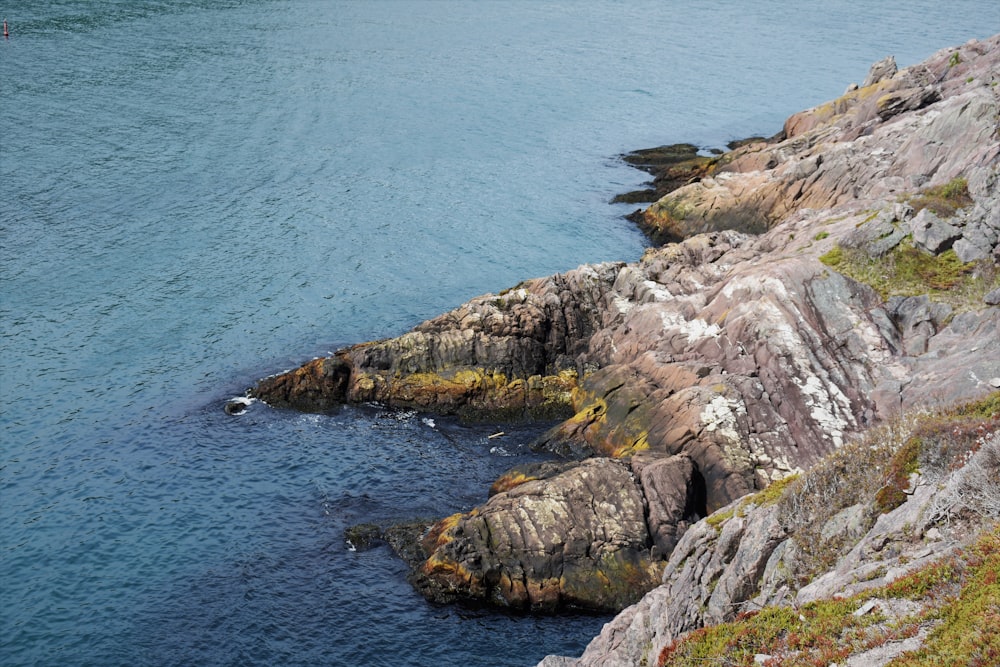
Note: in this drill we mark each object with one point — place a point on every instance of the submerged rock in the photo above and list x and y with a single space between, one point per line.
363 537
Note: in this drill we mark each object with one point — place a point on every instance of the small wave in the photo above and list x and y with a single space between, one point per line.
238 405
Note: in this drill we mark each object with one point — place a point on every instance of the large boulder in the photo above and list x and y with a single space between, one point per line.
578 539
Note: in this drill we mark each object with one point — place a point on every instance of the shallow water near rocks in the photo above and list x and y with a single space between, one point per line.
196 194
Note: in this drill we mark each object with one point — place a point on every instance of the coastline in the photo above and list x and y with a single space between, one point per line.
743 351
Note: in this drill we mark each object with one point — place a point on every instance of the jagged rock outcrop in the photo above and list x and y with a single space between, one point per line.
577 539
515 354
717 364
754 553
858 149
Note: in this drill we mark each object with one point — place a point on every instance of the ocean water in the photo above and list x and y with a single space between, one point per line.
195 194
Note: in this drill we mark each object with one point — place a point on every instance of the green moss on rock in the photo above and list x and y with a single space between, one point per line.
909 271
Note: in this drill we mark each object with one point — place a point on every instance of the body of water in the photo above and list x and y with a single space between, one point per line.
195 194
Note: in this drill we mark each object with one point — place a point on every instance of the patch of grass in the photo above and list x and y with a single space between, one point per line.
821 235
716 519
835 257
767 496
934 580
961 592
817 634
943 200
954 60
772 493
909 271
969 633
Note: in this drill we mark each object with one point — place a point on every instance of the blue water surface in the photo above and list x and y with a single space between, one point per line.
195 194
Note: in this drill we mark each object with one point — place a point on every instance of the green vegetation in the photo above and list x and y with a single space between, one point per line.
820 628
903 463
767 496
909 271
943 200
820 236
969 633
959 593
954 60
958 597
873 471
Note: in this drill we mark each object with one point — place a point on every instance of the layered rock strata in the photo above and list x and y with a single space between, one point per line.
763 550
716 364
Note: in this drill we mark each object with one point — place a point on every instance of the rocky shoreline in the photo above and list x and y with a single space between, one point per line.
810 286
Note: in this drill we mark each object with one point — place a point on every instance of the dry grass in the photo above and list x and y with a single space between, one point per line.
873 472
959 596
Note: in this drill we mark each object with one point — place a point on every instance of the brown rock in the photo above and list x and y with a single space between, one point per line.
577 539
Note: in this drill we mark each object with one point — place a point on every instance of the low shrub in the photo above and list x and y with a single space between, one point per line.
943 200
909 271
959 593
969 632
874 471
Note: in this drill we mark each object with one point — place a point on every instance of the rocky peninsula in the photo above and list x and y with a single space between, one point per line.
803 290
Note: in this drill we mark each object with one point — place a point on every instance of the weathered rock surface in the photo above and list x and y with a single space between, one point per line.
748 556
922 126
714 365
514 354
577 539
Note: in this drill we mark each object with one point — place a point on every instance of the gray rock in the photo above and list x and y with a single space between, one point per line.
557 661
877 237
672 496
966 251
909 99
888 398
577 539
849 522
883 69
932 233
363 537
902 211
917 319
979 235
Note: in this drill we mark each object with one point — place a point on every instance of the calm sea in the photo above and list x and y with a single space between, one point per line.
195 194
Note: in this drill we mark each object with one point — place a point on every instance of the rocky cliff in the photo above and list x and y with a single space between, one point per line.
864 558
813 285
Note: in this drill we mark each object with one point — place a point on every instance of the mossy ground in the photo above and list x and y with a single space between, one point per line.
943 200
910 271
